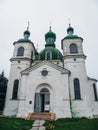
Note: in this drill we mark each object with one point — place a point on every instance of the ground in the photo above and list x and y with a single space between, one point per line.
11 123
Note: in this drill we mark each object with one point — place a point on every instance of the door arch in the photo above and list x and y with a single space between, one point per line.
42 101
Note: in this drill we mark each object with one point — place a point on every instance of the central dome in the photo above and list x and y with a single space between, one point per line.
50 52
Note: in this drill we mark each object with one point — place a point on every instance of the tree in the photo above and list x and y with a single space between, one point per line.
3 88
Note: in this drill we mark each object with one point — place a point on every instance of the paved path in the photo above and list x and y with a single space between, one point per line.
38 125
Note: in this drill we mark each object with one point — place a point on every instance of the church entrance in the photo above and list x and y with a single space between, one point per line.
42 101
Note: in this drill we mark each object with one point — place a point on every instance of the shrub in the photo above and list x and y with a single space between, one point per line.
50 127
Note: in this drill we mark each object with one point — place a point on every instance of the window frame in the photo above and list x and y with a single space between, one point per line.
59 56
48 57
73 48
77 91
95 92
15 89
20 51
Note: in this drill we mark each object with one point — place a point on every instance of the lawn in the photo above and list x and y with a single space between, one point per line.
74 124
11 123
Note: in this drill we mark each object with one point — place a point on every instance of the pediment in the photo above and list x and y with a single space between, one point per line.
47 63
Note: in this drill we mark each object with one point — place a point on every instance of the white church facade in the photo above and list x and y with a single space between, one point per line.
49 81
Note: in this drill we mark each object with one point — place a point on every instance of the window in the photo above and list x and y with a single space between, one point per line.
32 55
48 55
95 92
30 102
15 89
77 89
20 51
73 48
44 90
44 73
59 56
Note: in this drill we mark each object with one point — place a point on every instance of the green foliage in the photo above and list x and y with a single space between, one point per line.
3 87
74 124
11 123
3 80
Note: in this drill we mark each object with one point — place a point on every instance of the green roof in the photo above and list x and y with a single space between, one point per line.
70 32
51 49
25 39
50 34
73 37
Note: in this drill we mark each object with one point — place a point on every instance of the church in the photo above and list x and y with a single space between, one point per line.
50 81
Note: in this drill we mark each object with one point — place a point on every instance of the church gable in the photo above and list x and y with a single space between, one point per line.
44 64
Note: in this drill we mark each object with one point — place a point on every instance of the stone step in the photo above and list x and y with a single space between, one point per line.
41 116
38 125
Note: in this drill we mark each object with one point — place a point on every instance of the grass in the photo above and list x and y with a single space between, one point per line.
74 124
11 123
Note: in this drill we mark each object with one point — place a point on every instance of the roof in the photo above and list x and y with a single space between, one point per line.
54 52
25 38
48 63
50 34
92 79
70 32
73 37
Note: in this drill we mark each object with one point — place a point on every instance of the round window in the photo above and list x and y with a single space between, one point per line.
44 73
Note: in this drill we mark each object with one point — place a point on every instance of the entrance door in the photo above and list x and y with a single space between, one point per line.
42 101
37 103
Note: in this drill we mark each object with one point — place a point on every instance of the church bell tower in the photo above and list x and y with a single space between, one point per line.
73 55
74 60
23 56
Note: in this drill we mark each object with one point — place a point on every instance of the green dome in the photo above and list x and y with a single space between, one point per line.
50 34
26 37
56 54
70 30
70 35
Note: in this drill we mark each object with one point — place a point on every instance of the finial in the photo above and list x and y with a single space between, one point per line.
69 22
70 30
28 25
50 27
27 33
3 73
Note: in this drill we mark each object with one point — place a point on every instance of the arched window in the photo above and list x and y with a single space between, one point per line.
59 56
15 89
44 90
48 55
32 55
20 51
95 92
77 89
73 48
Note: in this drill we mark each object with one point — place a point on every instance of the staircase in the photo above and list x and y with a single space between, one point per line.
41 116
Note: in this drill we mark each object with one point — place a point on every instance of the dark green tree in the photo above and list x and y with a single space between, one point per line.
3 88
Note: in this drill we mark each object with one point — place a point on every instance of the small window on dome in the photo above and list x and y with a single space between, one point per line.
48 55
59 56
73 48
20 51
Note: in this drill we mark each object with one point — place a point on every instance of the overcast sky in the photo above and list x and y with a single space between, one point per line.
83 14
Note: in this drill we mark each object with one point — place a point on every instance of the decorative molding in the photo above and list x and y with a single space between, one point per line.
48 63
